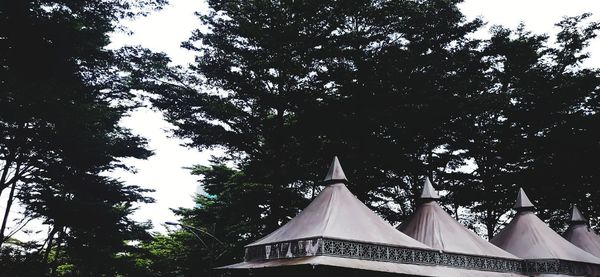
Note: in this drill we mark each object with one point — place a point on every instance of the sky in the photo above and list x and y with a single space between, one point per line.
163 31
166 171
539 16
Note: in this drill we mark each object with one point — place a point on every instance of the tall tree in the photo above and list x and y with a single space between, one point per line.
61 99
257 70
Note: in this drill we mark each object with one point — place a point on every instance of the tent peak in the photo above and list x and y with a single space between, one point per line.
335 173
577 216
428 191
523 202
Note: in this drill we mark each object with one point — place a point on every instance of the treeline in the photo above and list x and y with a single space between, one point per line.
399 90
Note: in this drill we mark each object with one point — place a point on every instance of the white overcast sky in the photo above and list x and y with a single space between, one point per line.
164 31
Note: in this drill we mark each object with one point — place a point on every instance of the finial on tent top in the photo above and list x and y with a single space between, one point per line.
523 202
576 215
428 191
335 173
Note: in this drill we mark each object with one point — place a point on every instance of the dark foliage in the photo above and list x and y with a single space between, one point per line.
61 98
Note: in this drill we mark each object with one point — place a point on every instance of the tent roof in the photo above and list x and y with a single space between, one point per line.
336 213
580 235
408 269
434 227
528 237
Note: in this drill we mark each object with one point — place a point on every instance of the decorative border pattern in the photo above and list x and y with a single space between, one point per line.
377 252
559 267
404 255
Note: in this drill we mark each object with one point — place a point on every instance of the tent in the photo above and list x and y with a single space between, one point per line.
580 234
544 251
433 226
337 235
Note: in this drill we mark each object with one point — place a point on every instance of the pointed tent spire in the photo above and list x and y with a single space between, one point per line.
428 191
576 215
523 202
335 173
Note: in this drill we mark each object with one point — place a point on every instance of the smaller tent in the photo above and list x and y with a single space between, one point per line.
433 226
544 251
580 234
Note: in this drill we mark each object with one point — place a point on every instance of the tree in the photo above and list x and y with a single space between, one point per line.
61 98
275 79
536 123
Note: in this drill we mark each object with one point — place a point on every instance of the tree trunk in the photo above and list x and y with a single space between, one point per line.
8 163
278 179
9 202
456 206
4 183
490 224
50 244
